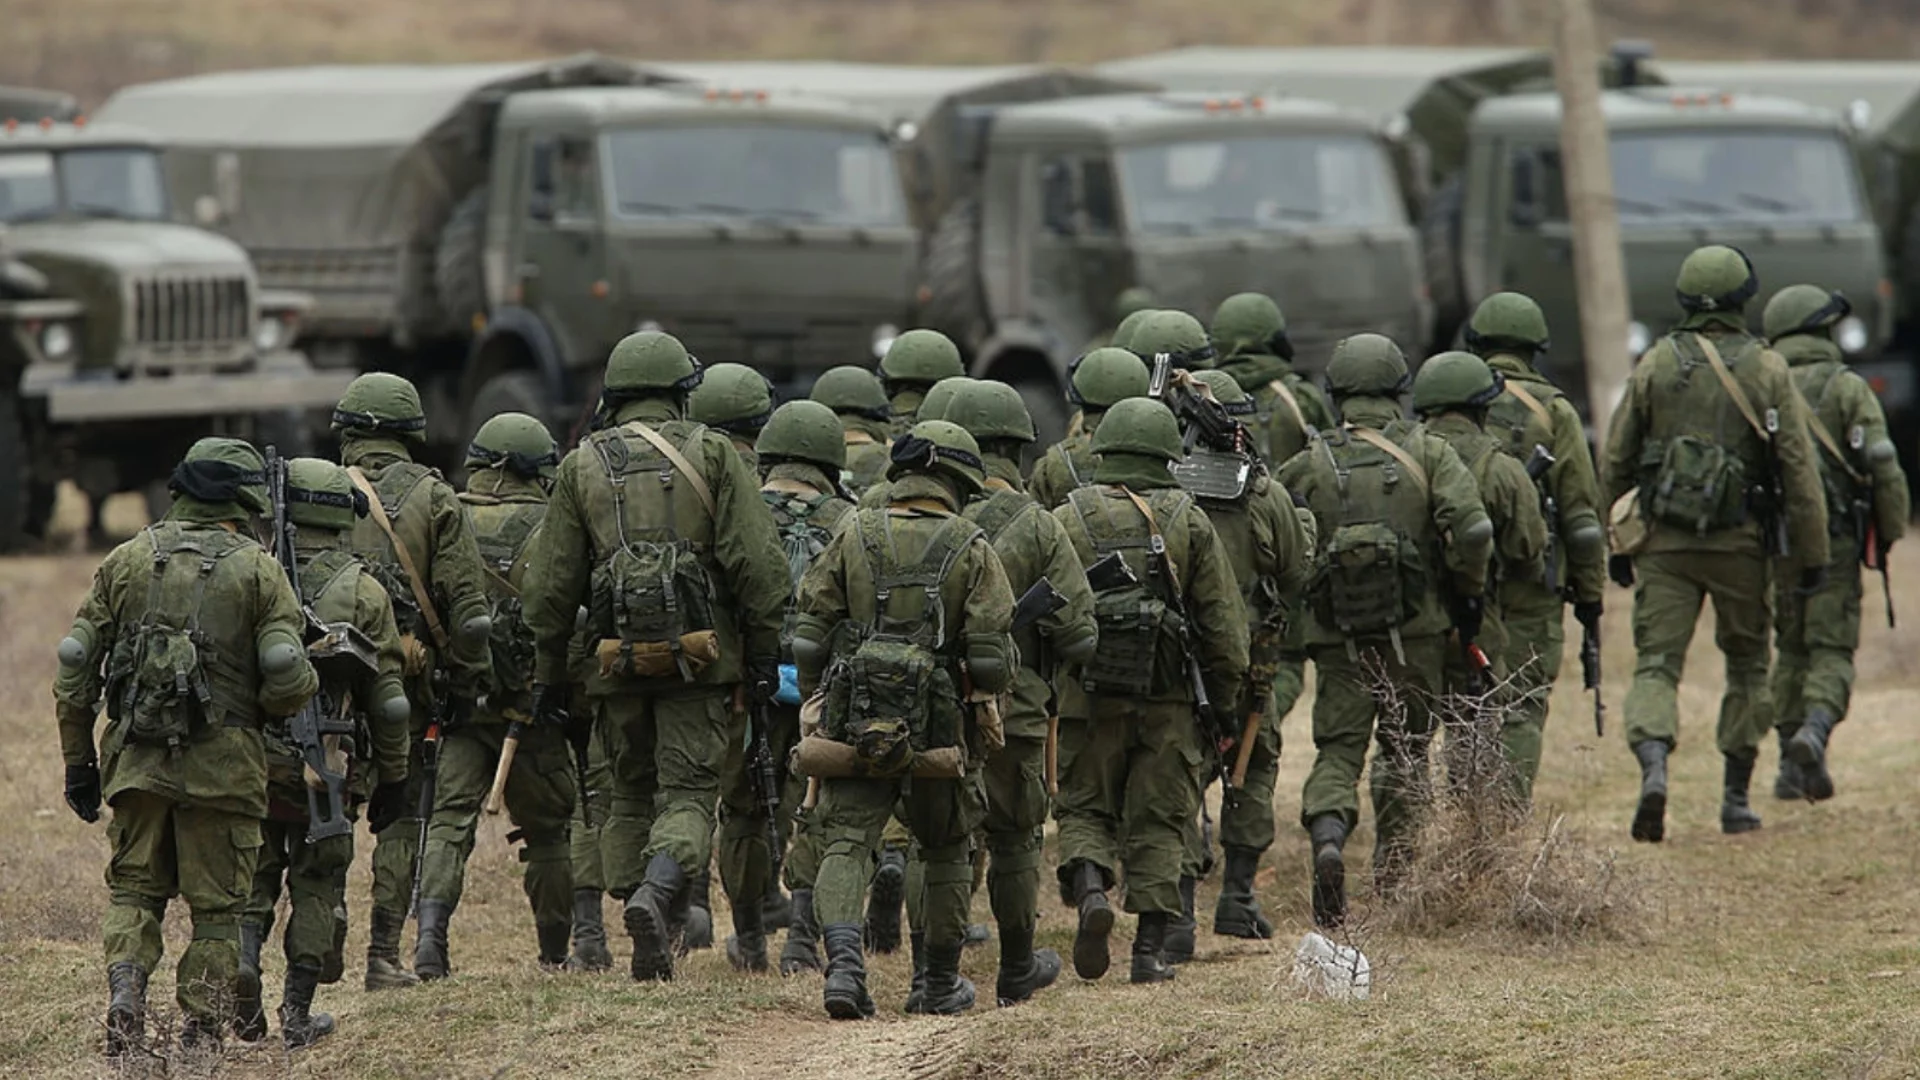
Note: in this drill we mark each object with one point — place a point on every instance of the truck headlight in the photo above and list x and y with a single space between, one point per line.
56 341
883 336
269 334
1639 338
1851 334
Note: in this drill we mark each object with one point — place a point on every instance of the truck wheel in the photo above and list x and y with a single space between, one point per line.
518 391
459 280
956 306
16 480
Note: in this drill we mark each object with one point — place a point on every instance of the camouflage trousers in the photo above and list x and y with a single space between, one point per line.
1671 588
586 837
1536 641
539 797
667 755
1372 697
941 815
1127 795
1017 804
163 849
315 877
398 845
1816 637
746 867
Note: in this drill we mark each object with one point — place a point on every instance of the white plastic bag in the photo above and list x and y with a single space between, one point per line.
1338 972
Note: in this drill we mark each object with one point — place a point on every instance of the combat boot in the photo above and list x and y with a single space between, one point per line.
917 984
1650 816
948 992
1809 751
1149 962
776 910
383 952
1790 783
299 1024
646 918
554 939
249 1014
1237 914
589 934
747 947
801 951
696 921
1328 835
1735 815
1024 970
845 988
430 940
884 901
978 933
126 1009
1177 948
1091 956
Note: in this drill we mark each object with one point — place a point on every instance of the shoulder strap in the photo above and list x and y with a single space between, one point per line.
680 462
1374 438
1734 389
1159 541
1525 397
414 580
1281 390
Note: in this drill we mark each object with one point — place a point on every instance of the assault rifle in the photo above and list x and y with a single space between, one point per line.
1872 555
1590 670
1537 466
1773 494
1039 601
429 784
764 772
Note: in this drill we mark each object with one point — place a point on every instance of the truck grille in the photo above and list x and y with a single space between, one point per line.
190 312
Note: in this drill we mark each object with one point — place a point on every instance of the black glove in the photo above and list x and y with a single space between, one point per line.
550 706
1620 569
763 678
83 791
388 805
459 710
1812 579
1468 614
1587 612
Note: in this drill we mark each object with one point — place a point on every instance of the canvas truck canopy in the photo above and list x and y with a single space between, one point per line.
338 178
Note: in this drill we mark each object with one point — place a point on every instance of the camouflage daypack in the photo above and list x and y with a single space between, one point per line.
1140 652
503 530
1373 573
1700 481
161 684
804 534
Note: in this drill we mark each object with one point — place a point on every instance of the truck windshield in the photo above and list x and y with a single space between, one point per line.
1727 175
115 182
1258 181
827 176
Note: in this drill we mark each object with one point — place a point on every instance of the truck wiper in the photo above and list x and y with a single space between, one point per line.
1778 206
651 208
723 208
35 213
1639 206
1293 213
1704 207
101 210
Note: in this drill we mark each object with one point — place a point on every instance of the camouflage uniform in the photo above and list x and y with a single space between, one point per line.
1102 378
855 395
1251 336
914 362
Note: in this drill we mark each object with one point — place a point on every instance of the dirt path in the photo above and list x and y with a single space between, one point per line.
915 1048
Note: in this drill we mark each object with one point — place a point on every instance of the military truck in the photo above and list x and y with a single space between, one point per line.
28 105
124 336
492 230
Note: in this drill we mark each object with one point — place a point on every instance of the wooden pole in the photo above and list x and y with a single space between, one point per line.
1599 271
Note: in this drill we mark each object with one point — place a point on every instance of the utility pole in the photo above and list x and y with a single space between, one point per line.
1599 273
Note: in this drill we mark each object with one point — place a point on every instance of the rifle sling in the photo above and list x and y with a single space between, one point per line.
414 580
1539 411
1280 390
1734 389
1372 437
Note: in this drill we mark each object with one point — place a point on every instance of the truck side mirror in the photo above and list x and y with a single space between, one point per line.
1524 207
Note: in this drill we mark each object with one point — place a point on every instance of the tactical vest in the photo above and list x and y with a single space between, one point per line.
503 529
1142 651
1233 523
1848 487
406 494
1515 423
994 515
1701 461
1374 535
330 587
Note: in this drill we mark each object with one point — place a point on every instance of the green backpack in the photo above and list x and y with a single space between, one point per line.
157 684
1700 482
1140 652
894 692
1372 575
804 534
503 530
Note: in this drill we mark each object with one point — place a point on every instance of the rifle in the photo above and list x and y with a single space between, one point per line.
1537 466
1203 419
1210 736
314 730
1039 601
429 784
1872 557
1590 671
765 774
1774 495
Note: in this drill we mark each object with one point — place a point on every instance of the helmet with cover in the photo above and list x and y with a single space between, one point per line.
804 431
381 403
516 443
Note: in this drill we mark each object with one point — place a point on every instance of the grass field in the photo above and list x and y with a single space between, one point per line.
1787 953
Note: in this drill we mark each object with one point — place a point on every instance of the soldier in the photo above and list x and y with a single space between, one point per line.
856 396
417 542
1101 379
1251 336
1714 437
512 461
1033 547
323 507
736 400
1176 335
193 634
657 527
1400 524
1508 331
1867 510
887 615
932 407
914 362
802 456
1167 605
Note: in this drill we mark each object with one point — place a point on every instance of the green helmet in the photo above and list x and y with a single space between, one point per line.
940 398
921 358
804 431
380 402
732 397
1507 321
1803 309
1228 392
937 446
1106 376
852 390
321 495
1453 380
219 470
1369 364
1716 278
651 360
516 443
1177 334
1123 333
1140 426
989 410
1250 322
1132 299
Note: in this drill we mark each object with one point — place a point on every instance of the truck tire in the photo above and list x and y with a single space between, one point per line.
459 278
1440 252
520 391
955 304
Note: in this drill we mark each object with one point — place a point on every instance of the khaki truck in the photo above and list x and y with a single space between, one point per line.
492 230
124 335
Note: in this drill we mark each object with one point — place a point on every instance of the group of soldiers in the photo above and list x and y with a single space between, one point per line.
849 651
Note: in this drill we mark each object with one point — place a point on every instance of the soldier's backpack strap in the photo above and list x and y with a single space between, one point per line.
1734 389
1000 511
1157 541
1826 439
1399 453
1533 404
414 581
1284 393
680 462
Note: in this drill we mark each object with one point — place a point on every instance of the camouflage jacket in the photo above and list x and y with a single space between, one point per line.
1867 472
1067 464
1286 406
505 513
1570 480
866 453
1512 502
1271 552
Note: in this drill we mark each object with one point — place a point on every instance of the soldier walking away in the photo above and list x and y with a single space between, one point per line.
1404 546
914 362
1100 380
901 622
735 400
192 633
1250 334
1711 437
360 689
656 526
1867 510
1531 415
511 464
1159 696
416 540
857 398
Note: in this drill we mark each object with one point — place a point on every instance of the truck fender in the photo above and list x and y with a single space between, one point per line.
529 330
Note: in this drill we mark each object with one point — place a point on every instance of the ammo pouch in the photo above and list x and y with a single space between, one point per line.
1370 580
883 701
1131 622
827 759
689 653
1699 486
658 595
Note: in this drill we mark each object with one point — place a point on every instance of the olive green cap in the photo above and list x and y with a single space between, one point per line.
941 447
732 397
990 409
804 431
651 360
1250 322
1803 309
1140 426
1507 321
516 443
1367 364
381 403
855 390
1454 380
921 357
221 470
1105 376
1123 333
321 495
1716 278
1177 334
939 398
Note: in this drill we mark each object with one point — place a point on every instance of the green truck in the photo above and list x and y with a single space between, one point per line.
491 230
125 335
